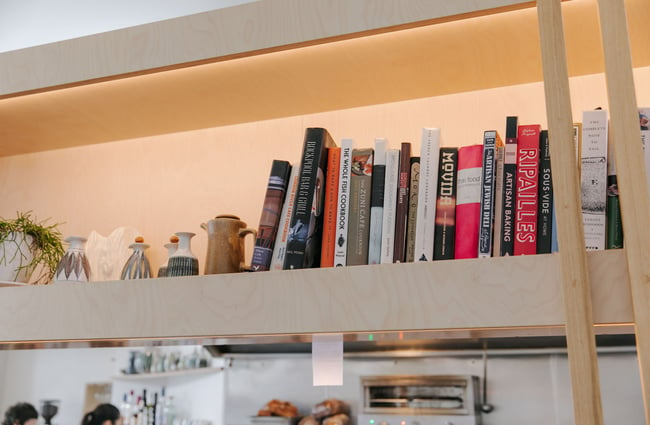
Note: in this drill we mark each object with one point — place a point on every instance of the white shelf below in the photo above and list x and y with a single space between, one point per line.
171 374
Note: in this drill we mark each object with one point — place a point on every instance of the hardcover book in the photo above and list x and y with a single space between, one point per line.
527 187
390 205
498 200
468 201
644 123
411 224
401 213
593 178
491 140
545 203
427 194
359 219
305 232
377 202
270 218
614 227
445 229
343 207
509 189
280 247
329 212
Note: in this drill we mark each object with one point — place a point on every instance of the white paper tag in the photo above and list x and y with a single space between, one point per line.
327 359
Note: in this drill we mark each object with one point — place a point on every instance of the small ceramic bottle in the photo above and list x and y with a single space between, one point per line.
172 246
137 266
74 265
183 262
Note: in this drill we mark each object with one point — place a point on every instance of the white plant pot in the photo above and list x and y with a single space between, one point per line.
16 252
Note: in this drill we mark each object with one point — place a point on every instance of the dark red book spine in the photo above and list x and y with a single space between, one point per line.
401 210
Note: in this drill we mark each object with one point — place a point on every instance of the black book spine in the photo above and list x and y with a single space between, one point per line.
545 204
402 208
509 192
305 231
270 218
487 195
445 226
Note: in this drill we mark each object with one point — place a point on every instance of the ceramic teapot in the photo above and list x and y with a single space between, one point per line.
226 250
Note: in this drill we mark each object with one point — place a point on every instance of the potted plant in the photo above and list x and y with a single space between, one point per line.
27 245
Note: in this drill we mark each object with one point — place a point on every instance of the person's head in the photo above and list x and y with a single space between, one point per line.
20 414
104 414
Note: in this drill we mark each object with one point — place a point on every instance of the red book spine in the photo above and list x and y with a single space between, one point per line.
468 200
527 189
331 201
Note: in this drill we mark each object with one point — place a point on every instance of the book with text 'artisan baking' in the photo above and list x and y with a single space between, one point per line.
305 232
509 182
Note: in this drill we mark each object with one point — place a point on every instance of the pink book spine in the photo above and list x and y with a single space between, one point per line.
468 200
527 187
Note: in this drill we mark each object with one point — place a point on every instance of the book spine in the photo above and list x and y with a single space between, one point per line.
527 189
359 220
593 178
390 205
377 202
644 122
411 224
445 224
401 214
614 236
498 200
487 194
304 242
509 188
343 206
270 217
545 203
468 201
280 248
329 212
427 194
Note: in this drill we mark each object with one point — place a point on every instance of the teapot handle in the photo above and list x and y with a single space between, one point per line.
242 234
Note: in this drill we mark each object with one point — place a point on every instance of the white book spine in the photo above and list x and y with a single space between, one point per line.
644 122
427 193
342 210
390 205
593 178
376 208
280 247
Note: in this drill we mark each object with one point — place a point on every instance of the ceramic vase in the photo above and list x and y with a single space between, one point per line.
74 265
183 262
137 266
15 255
171 249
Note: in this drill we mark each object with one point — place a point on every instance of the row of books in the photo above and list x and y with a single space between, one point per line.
347 205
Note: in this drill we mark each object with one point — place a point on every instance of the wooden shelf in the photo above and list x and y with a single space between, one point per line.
498 293
280 68
171 374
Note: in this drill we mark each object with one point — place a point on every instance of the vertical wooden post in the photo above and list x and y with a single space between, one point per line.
625 136
581 343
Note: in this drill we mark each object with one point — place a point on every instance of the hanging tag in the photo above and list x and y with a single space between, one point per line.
327 359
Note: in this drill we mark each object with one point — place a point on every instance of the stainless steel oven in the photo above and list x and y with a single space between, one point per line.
420 400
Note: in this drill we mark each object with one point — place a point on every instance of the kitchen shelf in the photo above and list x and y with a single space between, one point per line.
266 60
483 295
201 371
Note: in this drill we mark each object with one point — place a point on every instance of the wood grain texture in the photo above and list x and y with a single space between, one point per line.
522 292
581 345
631 173
477 54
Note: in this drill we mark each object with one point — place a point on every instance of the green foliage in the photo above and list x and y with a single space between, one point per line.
46 244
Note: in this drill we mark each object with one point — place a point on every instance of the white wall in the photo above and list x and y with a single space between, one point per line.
33 375
35 22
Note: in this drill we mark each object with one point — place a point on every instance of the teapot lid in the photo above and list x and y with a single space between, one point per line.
234 217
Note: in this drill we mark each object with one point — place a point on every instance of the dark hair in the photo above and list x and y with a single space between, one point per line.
102 413
20 413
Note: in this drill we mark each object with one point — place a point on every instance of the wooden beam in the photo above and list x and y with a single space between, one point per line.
625 137
581 344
